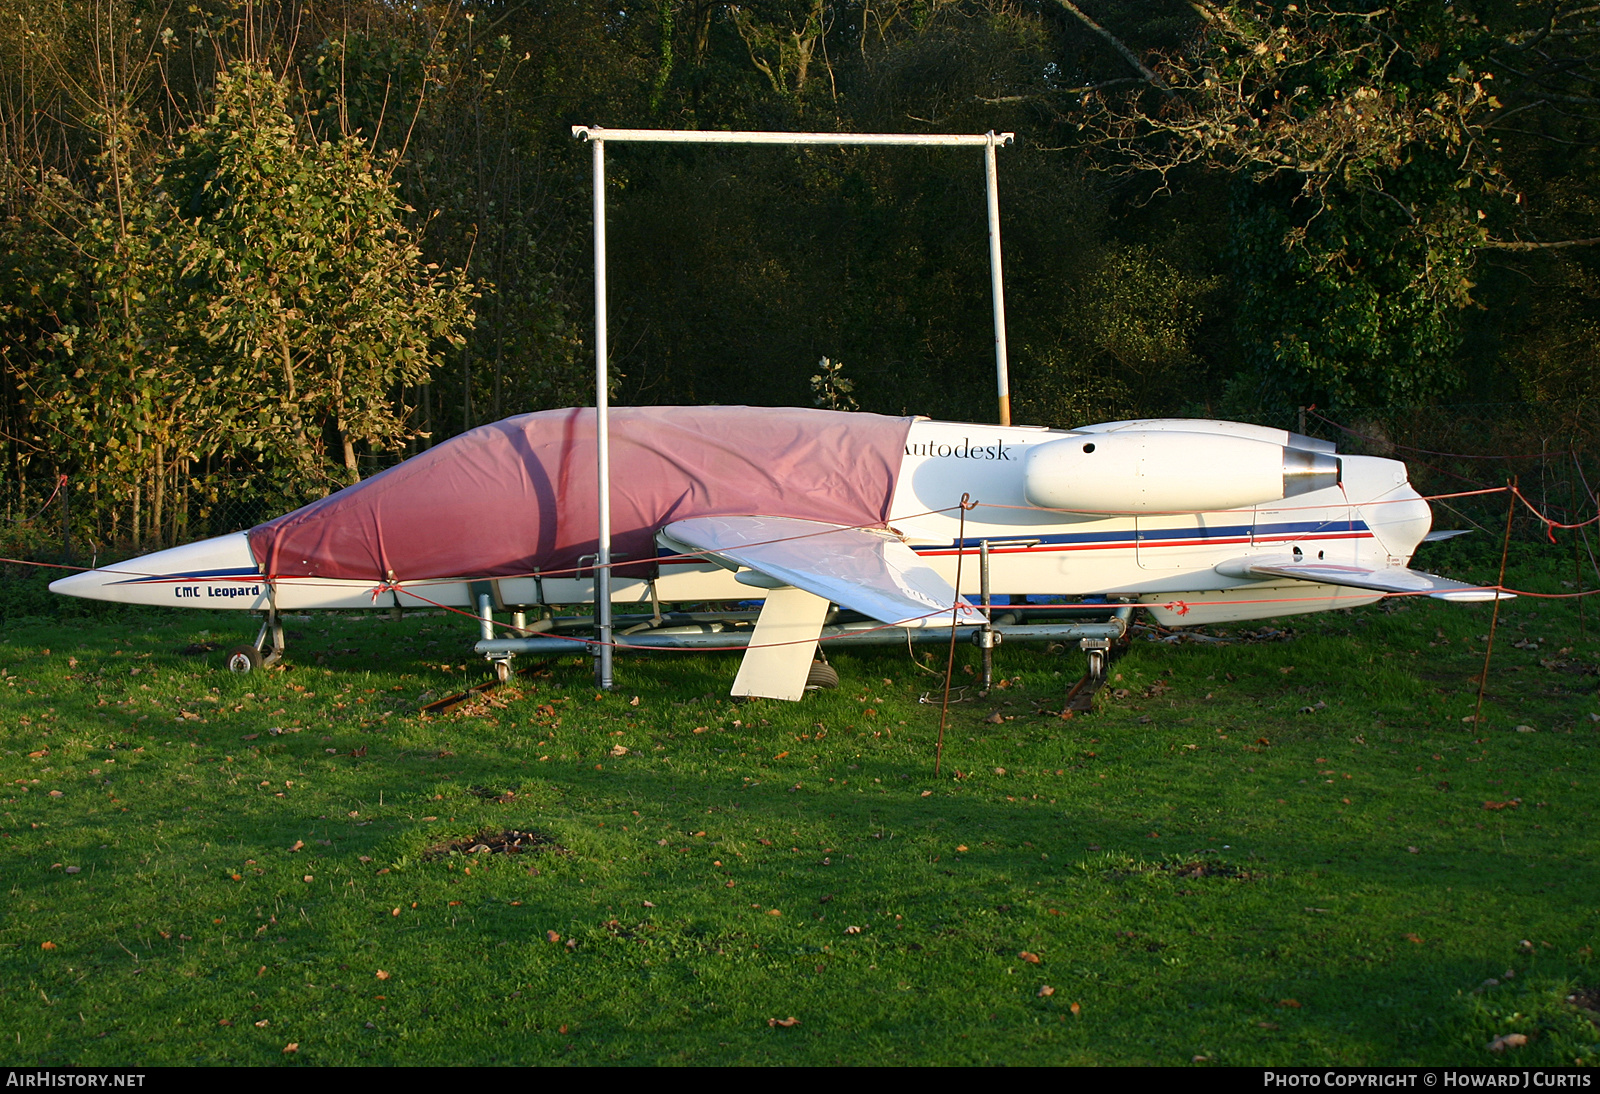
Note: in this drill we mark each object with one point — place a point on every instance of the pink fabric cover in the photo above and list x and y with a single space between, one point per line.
519 495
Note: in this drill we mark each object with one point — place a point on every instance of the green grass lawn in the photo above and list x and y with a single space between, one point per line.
1275 849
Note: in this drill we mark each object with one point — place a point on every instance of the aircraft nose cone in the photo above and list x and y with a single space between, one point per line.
79 584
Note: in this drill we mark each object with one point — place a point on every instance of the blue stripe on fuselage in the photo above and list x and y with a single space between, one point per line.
245 573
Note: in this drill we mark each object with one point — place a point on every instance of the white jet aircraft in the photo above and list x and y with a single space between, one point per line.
1193 521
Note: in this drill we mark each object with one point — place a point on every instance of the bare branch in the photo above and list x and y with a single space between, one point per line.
1517 245
1116 43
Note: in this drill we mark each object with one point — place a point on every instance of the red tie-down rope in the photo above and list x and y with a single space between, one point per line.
590 643
1550 526
393 584
1276 508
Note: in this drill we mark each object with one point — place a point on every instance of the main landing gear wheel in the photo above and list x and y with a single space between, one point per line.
244 659
822 676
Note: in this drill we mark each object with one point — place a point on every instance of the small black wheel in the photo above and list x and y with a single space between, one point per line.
243 659
822 675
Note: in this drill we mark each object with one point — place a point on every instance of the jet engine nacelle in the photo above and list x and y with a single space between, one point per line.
1139 471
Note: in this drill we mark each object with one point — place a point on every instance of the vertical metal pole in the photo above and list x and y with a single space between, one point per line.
1002 371
988 616
602 570
485 617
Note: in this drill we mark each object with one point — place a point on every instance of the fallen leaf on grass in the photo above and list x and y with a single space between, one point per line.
847 930
1417 938
552 936
224 1022
47 945
1507 1040
1030 958
784 1023
55 793
1267 1025
382 975
1046 991
298 844
262 1024
1295 1003
1075 1008
292 1046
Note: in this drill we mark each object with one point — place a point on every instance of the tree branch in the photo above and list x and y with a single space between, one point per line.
1515 245
1116 43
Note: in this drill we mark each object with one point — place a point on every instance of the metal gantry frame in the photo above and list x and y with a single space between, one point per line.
597 137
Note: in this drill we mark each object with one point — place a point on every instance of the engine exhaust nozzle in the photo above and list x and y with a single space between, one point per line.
1305 471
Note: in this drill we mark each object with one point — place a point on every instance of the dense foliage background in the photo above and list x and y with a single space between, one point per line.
250 251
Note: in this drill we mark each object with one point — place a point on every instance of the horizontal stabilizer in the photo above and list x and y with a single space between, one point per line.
1439 537
867 571
1396 579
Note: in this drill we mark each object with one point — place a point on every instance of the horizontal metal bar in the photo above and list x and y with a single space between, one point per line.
717 136
862 635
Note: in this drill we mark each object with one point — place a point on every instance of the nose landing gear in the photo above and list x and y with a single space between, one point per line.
264 653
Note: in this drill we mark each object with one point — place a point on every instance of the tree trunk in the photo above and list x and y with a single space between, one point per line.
158 493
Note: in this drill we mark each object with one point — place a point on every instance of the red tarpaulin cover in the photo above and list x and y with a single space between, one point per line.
520 495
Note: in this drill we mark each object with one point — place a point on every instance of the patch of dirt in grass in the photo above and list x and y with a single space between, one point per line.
1203 868
510 842
1194 868
1588 1001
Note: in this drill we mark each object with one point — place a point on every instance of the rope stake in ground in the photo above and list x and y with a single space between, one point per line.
950 663
1488 652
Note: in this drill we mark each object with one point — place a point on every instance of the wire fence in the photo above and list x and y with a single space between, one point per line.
1553 459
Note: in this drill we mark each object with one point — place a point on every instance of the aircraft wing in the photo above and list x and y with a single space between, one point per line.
1389 580
868 571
